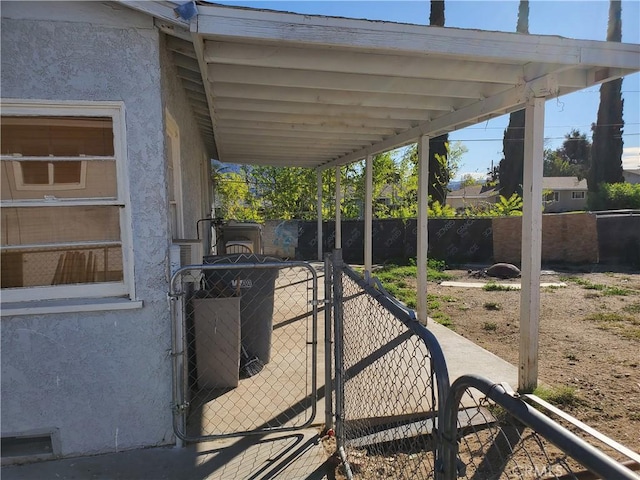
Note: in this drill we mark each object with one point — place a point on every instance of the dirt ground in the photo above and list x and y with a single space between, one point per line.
589 339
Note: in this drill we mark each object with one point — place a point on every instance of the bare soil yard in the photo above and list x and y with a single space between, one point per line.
589 340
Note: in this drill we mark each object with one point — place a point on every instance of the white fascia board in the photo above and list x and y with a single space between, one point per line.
418 39
198 45
160 10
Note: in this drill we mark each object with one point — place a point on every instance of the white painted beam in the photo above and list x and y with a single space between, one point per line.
279 77
504 102
198 46
335 127
319 213
301 162
531 244
272 106
422 241
364 137
365 63
334 97
338 241
368 215
312 118
295 143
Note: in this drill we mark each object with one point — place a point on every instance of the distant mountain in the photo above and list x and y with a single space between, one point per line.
454 185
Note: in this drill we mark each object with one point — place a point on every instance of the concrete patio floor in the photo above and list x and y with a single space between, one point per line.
292 455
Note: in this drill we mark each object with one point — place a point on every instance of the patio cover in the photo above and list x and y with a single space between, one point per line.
277 88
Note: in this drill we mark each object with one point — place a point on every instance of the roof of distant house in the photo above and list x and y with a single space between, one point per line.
564 183
474 191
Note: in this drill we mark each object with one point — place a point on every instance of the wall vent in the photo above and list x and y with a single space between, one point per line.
190 251
30 446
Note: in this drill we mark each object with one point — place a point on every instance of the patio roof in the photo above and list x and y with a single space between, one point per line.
276 88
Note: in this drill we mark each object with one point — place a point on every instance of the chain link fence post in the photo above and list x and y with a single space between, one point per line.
339 357
328 344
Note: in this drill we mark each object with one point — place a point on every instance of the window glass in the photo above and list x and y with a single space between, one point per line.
56 136
29 179
37 267
50 225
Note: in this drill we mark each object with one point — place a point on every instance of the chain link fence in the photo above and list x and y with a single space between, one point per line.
491 432
245 339
391 380
398 417
246 361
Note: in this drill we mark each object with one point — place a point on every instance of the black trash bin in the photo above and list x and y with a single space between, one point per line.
256 287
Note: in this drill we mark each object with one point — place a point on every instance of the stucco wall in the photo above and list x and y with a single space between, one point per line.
570 238
192 152
104 378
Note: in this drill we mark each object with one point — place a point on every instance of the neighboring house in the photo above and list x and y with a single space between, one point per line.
103 164
564 194
473 196
632 175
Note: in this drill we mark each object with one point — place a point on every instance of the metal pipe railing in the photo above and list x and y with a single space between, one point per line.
589 456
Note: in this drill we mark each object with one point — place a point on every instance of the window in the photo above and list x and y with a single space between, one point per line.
58 175
551 197
65 221
577 195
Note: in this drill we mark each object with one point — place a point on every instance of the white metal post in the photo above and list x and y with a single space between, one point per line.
338 243
423 245
368 216
531 244
319 213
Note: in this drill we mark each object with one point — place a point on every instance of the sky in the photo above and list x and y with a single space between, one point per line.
578 19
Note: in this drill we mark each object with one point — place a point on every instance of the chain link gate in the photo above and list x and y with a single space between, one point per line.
244 346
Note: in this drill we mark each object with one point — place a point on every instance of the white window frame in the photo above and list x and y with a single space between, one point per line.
173 157
555 196
116 111
574 195
20 185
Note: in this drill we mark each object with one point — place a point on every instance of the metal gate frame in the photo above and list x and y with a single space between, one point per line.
179 353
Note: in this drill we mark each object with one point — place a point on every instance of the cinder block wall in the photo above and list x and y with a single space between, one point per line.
567 238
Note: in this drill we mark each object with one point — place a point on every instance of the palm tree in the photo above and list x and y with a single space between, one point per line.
606 150
439 176
511 166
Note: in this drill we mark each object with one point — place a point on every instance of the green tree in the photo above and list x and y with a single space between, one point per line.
572 159
576 149
606 163
556 166
284 192
469 180
232 196
512 164
449 165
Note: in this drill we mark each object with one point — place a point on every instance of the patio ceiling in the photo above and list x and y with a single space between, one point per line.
297 90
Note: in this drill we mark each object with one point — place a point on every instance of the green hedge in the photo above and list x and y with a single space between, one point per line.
615 196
